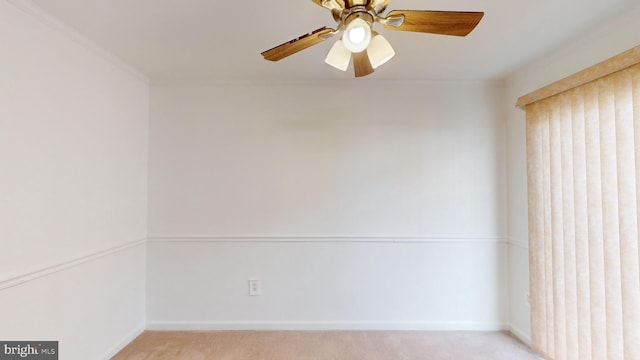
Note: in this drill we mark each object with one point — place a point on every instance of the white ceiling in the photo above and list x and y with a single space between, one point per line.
213 40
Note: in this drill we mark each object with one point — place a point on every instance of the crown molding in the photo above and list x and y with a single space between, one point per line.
325 239
36 12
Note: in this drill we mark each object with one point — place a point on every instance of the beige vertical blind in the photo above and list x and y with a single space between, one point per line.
583 153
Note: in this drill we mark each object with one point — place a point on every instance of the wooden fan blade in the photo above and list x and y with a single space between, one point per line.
298 44
329 5
361 64
457 23
378 3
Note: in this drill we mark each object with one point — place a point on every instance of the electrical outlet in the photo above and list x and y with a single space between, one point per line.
254 287
527 298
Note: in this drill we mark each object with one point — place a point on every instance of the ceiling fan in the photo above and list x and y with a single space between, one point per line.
368 48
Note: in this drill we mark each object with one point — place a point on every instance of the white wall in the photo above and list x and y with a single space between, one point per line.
73 162
617 36
391 215
353 211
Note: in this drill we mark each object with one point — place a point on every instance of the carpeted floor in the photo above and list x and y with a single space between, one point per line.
325 345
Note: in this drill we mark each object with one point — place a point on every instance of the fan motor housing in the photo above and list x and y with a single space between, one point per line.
352 3
368 18
356 12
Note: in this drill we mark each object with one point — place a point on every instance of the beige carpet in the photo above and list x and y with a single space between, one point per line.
325 345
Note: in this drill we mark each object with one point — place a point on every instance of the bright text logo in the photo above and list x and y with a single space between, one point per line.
32 350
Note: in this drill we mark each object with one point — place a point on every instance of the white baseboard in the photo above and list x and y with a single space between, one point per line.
123 342
322 325
521 335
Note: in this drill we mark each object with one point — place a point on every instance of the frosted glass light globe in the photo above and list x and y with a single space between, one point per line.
357 36
379 51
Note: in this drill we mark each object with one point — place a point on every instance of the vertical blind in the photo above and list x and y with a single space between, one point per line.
583 159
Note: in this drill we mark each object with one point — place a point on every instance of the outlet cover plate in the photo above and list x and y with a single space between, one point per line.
254 287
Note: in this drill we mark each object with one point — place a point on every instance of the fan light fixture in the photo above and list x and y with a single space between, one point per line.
359 38
379 52
357 35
